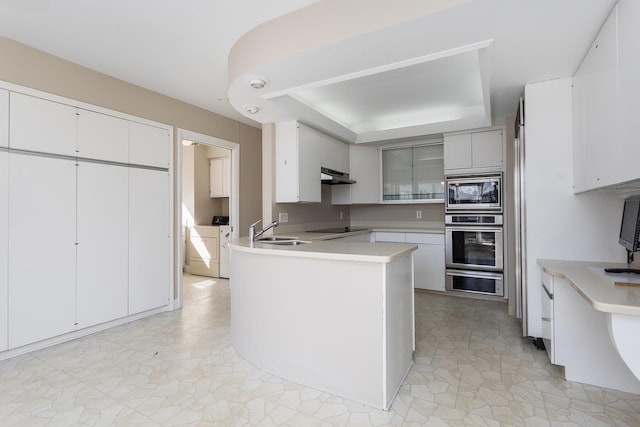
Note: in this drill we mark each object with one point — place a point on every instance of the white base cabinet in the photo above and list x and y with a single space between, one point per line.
204 251
42 248
428 260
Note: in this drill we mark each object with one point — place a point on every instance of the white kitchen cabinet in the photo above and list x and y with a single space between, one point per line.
625 162
595 112
102 137
4 246
606 105
42 248
4 118
343 156
149 239
297 164
219 177
428 260
204 251
149 145
413 174
475 151
102 261
365 170
547 311
40 125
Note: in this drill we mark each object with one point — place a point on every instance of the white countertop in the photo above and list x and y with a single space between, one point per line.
321 248
596 286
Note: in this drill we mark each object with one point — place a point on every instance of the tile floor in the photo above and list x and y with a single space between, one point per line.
179 369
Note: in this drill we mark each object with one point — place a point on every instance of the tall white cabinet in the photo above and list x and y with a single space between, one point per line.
102 289
42 248
149 238
85 217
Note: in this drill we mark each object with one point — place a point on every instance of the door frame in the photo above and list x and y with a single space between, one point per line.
234 210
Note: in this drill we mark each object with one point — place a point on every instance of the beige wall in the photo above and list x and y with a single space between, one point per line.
405 215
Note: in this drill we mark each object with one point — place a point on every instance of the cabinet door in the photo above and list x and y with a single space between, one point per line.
102 137
309 152
149 145
457 151
102 243
429 265
43 126
4 246
343 156
287 162
598 73
4 118
365 170
626 162
486 149
42 249
220 177
149 239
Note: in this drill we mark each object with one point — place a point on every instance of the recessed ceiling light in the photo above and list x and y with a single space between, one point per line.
251 109
257 82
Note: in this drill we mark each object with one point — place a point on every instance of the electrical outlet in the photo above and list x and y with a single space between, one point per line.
418 214
341 215
283 217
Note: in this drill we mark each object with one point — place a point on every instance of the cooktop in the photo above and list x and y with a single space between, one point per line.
337 230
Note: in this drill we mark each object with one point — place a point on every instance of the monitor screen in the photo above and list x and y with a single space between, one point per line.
630 228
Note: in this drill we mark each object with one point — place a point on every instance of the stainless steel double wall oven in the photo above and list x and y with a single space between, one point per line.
474 234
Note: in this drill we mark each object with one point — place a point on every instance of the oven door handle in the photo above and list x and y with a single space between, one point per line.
481 228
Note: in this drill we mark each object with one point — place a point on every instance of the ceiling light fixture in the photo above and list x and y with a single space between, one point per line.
251 109
257 82
189 143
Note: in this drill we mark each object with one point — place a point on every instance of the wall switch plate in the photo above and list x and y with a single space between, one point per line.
418 214
283 217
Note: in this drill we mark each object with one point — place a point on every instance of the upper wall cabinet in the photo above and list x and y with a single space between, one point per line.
595 111
365 171
413 174
219 177
149 145
474 152
4 118
43 126
606 105
300 153
102 137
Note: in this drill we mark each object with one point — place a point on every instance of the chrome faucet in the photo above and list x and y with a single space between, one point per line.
253 235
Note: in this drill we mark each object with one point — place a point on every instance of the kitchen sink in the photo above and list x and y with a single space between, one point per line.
272 239
286 242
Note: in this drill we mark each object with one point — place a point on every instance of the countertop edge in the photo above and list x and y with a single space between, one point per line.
569 270
267 249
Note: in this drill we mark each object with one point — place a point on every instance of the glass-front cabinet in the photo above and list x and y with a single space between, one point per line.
413 174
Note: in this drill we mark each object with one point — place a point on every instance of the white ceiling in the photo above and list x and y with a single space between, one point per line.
460 67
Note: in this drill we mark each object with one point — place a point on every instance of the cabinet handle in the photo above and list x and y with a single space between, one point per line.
549 294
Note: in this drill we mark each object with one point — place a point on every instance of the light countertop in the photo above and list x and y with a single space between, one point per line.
596 286
328 249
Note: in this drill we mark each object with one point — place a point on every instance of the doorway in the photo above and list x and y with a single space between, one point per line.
195 151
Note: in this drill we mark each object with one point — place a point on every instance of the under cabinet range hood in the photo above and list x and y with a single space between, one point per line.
331 177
